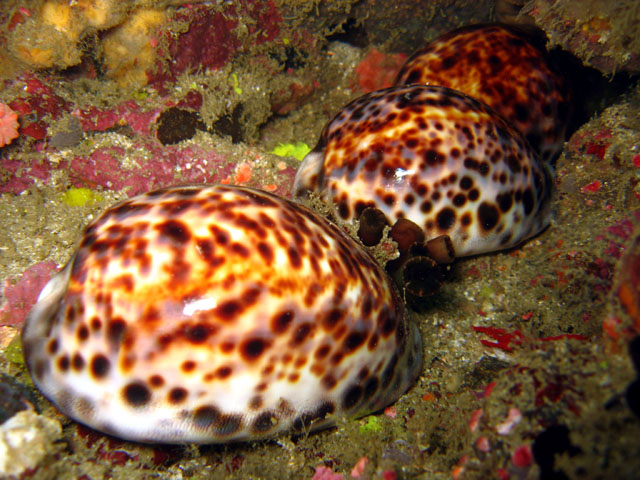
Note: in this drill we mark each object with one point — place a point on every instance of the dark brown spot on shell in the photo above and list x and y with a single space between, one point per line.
352 397
256 402
528 201
136 394
205 248
83 332
253 348
322 351
434 157
240 250
301 333
488 216
177 395
228 310
223 372
332 318
306 419
367 307
70 314
188 366
264 422
448 62
294 257
63 363
199 333
204 417
446 219
115 331
127 362
466 183
343 209
329 381
513 164
353 341
95 323
222 236
100 366
459 199
174 232
281 321
77 362
370 387
266 252
387 322
125 282
52 346
505 201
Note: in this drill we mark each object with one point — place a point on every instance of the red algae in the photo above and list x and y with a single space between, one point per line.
209 39
20 293
378 70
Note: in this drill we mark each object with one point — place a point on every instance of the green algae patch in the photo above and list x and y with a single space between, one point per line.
13 352
298 150
371 425
79 197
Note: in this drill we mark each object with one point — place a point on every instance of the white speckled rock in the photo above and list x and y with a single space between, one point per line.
25 440
214 314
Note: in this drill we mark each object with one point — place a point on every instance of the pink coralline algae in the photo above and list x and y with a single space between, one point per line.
8 125
211 39
164 166
20 293
325 473
37 107
522 456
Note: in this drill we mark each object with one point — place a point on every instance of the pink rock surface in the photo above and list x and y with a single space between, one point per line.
20 293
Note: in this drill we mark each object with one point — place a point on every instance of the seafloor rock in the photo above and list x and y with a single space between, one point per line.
601 33
26 439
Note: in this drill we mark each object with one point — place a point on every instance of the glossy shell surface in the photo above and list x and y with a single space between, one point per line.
500 67
434 156
215 314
